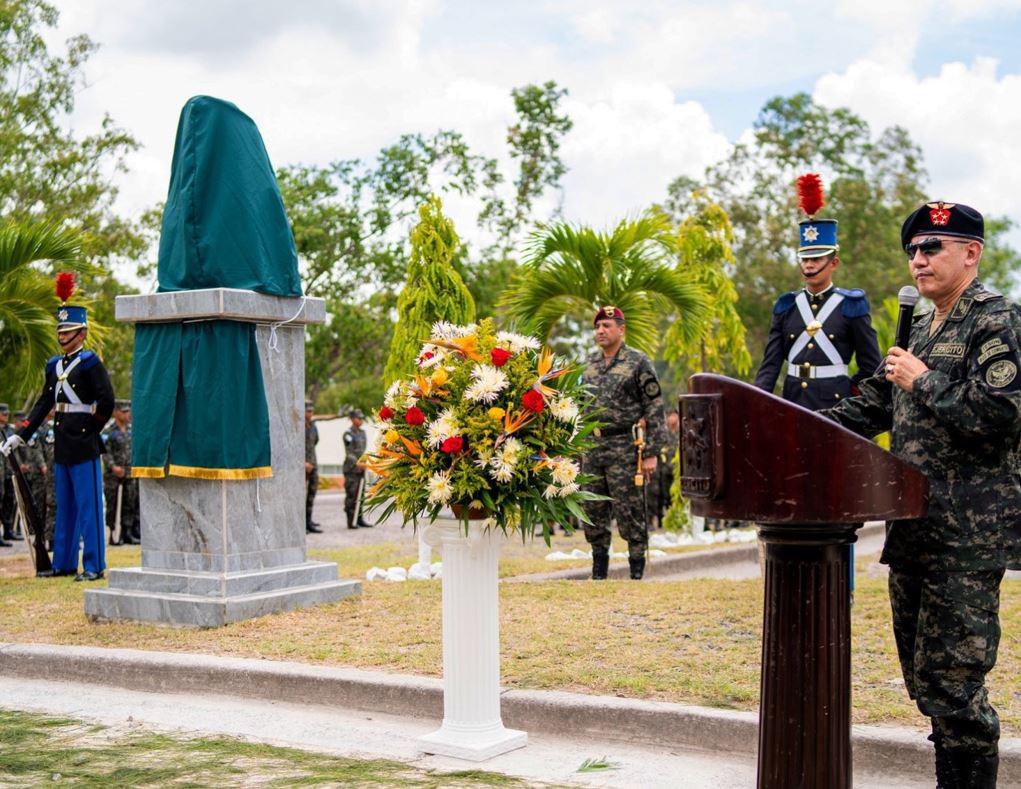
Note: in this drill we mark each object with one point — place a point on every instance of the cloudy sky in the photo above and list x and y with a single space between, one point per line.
656 90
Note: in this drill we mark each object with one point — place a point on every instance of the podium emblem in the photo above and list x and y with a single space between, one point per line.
701 447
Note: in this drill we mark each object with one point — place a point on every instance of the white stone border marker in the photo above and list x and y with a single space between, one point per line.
472 727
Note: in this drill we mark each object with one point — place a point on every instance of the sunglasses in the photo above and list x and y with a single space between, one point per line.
930 246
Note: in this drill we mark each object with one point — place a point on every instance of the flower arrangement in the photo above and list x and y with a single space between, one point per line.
490 425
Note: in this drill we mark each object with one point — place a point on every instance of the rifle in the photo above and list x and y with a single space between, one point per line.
34 525
115 533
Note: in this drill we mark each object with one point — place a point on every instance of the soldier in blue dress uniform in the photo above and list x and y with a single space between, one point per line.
816 330
78 388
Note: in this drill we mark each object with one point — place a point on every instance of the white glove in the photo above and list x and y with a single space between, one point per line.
13 442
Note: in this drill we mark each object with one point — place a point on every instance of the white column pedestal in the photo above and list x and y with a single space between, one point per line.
472 727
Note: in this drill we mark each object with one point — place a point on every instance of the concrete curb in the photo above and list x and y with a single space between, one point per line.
877 749
670 565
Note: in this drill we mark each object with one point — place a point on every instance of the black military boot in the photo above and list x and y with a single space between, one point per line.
944 769
600 564
364 524
973 770
351 522
637 568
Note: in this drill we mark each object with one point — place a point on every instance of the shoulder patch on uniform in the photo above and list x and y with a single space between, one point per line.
51 363
347 436
89 360
851 293
1001 374
987 295
650 386
784 303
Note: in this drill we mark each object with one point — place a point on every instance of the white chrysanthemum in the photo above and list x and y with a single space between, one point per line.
508 452
441 428
440 489
487 383
484 458
551 492
567 490
516 343
409 401
502 472
444 330
564 471
564 409
392 396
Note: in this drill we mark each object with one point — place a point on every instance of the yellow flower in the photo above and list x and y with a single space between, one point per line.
496 413
440 377
392 436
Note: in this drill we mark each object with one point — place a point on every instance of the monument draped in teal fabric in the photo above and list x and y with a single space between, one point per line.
224 224
200 403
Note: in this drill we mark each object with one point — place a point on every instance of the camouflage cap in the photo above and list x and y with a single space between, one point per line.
123 405
356 413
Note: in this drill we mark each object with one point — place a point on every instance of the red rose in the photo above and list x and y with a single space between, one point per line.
533 401
499 356
414 416
452 445
386 413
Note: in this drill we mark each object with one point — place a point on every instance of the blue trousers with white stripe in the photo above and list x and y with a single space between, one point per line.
79 517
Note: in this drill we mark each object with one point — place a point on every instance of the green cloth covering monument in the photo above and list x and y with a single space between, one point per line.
224 226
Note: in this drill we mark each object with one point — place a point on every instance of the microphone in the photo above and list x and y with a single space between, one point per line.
907 298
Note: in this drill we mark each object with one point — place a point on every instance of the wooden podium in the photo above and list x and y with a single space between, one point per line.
808 484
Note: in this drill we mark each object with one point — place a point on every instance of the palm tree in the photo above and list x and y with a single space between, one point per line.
28 302
570 271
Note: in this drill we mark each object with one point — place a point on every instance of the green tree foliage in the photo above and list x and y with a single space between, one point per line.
351 222
434 291
704 256
571 270
51 175
28 302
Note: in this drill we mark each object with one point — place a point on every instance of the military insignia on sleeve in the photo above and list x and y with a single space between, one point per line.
1001 373
939 213
651 388
993 347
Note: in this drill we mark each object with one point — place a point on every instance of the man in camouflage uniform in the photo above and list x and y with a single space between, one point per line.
626 390
354 470
119 489
8 505
311 468
663 479
38 467
953 404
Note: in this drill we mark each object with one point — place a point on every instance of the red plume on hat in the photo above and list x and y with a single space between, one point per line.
65 286
810 195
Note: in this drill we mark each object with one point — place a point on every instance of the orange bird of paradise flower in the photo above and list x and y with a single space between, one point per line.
466 346
544 368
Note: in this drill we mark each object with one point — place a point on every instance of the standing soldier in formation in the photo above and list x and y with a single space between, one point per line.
952 404
311 468
626 390
354 471
816 330
119 489
8 503
664 476
37 473
78 388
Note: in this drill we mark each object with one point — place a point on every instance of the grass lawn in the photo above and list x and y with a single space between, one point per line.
41 750
686 641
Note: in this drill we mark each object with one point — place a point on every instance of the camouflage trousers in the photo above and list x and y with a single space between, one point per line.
615 477
947 629
311 486
129 503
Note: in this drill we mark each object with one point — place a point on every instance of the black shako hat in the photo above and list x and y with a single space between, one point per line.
945 219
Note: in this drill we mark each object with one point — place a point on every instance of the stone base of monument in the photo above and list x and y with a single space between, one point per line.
219 551
203 599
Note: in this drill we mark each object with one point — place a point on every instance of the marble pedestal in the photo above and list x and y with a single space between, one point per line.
472 725
216 551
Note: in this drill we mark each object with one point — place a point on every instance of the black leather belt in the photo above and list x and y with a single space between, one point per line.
611 430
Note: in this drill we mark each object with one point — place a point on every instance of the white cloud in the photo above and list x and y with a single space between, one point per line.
965 118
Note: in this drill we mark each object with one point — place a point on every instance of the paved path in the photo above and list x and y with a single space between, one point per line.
373 735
